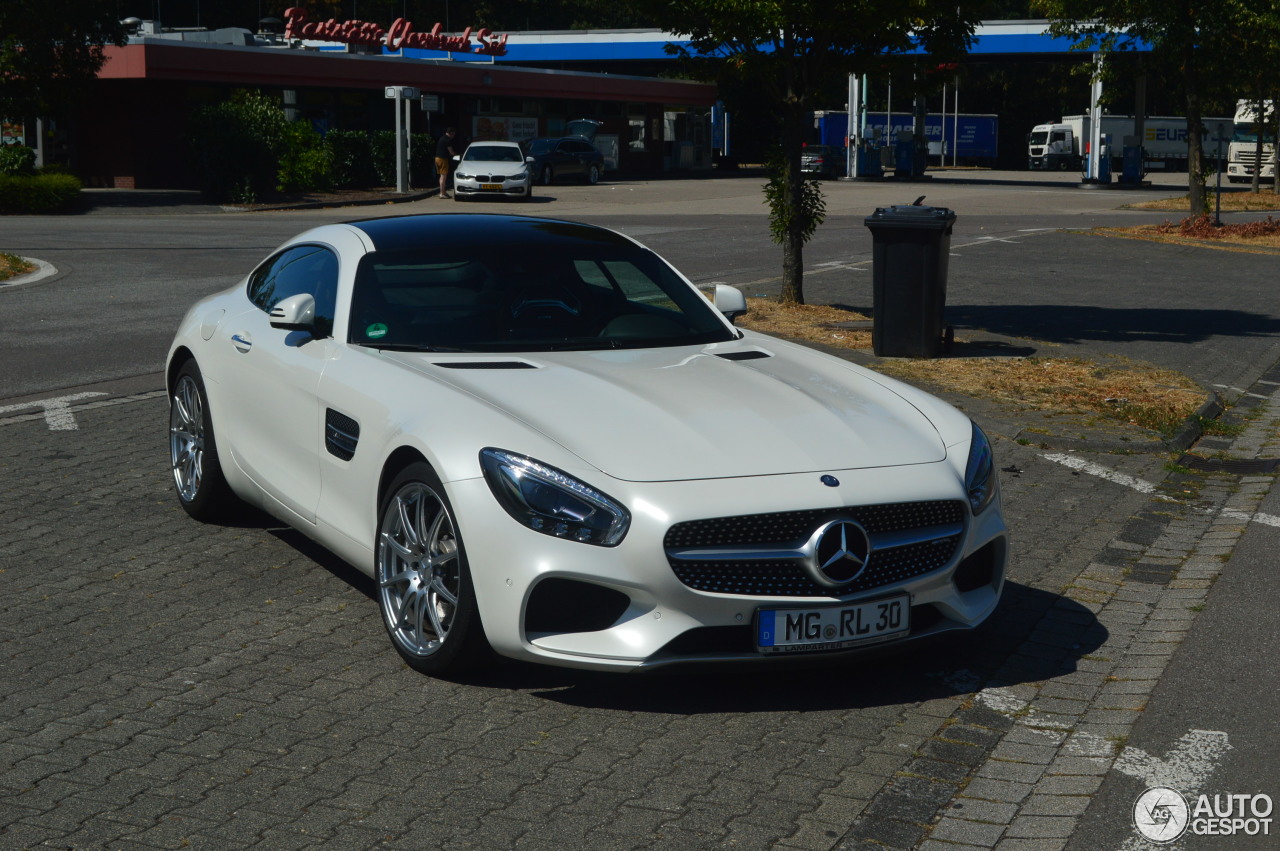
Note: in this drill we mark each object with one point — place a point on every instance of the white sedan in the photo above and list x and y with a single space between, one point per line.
562 451
496 169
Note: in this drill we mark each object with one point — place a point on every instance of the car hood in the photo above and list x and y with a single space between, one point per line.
687 413
499 166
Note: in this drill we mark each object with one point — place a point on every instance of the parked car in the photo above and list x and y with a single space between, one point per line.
574 155
495 169
826 161
536 436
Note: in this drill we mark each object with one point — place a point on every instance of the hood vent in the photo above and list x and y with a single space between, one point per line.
754 354
484 364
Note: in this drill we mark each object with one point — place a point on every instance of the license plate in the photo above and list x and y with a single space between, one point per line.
832 627
491 187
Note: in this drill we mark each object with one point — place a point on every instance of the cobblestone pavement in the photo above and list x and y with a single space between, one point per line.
171 684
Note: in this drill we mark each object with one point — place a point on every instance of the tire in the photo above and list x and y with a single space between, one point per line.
528 195
547 175
457 197
193 453
425 594
593 174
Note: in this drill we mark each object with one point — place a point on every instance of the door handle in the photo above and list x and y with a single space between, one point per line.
241 342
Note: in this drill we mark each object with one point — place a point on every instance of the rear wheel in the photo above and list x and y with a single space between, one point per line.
193 453
547 175
425 593
593 175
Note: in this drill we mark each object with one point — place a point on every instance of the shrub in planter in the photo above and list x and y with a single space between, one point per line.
41 193
422 156
238 144
305 163
351 159
17 159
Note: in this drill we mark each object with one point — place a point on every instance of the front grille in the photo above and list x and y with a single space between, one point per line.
939 525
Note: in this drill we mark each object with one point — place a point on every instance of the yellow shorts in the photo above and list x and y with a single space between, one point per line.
442 165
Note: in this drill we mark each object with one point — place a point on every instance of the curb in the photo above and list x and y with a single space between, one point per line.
323 205
43 270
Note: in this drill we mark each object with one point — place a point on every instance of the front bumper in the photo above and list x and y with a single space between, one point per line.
624 608
505 188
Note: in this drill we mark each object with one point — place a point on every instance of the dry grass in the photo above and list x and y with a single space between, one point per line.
1122 391
812 323
1125 391
1234 201
12 266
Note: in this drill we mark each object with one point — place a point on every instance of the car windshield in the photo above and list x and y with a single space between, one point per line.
493 154
816 150
534 297
1039 138
541 146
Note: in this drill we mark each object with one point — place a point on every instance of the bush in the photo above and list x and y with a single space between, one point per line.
42 193
350 158
17 159
238 144
422 155
305 163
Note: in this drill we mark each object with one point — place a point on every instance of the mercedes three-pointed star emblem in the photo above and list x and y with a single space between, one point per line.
840 551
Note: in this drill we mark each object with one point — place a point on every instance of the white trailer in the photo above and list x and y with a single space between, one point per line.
1242 154
1061 145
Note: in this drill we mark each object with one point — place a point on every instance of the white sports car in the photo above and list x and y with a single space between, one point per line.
538 437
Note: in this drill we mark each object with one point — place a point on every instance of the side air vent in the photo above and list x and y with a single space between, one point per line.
754 354
341 434
484 364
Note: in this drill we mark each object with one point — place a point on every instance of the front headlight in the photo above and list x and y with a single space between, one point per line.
463 175
980 473
552 502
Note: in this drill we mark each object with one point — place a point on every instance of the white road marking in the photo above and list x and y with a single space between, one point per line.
1143 486
57 411
1186 768
1083 466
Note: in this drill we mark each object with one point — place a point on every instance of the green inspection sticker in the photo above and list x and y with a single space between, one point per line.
376 331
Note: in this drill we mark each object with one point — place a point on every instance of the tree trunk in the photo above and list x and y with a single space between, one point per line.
793 240
1195 135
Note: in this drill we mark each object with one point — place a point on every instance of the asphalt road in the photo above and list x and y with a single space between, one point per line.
170 684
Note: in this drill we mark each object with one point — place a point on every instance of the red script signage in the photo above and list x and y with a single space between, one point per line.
400 35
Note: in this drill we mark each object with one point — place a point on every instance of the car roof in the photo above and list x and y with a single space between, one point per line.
503 142
396 233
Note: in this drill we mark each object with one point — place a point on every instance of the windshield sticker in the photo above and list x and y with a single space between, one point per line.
376 331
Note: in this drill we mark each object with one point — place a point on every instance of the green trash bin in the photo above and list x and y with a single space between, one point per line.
911 244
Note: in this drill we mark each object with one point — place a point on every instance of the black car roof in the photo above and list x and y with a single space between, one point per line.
490 231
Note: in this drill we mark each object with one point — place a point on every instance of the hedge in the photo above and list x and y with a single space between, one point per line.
43 193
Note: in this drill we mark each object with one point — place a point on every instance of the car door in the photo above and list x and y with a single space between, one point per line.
271 378
566 161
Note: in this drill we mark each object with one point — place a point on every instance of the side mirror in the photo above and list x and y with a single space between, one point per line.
730 301
457 158
530 160
295 313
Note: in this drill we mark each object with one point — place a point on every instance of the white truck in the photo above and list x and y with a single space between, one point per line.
1242 152
1061 145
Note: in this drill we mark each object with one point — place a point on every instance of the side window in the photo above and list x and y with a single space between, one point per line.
302 269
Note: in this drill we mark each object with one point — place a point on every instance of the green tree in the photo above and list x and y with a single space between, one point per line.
51 52
786 52
1202 40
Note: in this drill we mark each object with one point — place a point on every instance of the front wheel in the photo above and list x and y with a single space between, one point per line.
424 586
547 175
193 453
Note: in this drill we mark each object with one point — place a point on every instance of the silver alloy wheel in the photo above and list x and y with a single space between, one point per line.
186 438
418 569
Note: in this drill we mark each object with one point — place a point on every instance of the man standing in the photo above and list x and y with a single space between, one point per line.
444 156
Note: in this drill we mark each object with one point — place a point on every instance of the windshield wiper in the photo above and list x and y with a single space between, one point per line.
411 347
